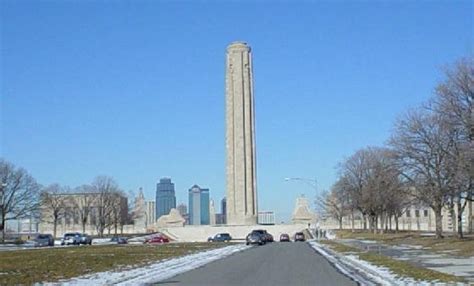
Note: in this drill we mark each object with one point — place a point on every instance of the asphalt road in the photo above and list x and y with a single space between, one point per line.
271 264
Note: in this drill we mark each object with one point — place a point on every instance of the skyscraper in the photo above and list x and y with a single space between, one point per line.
198 205
240 137
165 197
224 210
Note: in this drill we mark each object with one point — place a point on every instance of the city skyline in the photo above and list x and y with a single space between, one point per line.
128 106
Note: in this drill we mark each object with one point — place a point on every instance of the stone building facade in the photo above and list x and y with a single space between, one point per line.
415 218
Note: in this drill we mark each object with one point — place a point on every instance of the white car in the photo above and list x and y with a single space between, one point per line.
71 238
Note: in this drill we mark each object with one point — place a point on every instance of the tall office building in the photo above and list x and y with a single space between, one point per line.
165 197
198 206
224 210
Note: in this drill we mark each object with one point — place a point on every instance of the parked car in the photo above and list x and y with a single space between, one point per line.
157 239
284 237
43 240
220 237
71 238
119 240
255 238
85 239
299 236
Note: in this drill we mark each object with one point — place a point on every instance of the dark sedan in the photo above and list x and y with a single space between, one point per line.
284 237
220 237
299 236
255 238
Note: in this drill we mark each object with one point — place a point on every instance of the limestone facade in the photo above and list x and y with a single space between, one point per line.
415 218
240 137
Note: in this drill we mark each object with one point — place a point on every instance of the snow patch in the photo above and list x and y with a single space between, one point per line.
359 269
154 272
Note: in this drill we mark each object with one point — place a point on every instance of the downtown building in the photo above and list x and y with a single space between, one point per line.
198 206
221 217
165 197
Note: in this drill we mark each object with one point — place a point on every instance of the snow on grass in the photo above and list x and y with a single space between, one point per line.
362 271
155 272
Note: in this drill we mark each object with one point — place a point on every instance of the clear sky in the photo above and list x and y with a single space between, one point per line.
135 89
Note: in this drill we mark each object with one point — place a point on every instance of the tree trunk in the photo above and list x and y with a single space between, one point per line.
460 207
396 223
438 221
364 217
3 227
352 221
470 220
55 227
452 214
340 222
382 223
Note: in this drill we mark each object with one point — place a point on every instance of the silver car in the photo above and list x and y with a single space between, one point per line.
43 240
71 238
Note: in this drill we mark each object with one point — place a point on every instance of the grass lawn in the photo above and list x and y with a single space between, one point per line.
461 247
53 264
401 268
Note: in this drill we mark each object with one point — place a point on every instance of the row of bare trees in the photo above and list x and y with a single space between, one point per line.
429 160
101 204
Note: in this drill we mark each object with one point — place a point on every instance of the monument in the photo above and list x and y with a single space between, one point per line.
240 137
302 213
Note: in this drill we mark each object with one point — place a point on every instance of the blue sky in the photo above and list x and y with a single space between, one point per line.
135 89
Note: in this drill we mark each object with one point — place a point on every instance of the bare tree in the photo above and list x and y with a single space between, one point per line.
19 195
372 186
53 205
422 147
335 203
107 201
454 103
83 203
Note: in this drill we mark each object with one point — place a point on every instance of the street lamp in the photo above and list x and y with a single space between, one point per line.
313 183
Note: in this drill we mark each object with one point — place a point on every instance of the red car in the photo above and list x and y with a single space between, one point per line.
158 239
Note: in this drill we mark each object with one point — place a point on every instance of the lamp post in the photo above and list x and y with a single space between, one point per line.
313 183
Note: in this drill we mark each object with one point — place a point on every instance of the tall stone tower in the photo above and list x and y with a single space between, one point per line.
240 137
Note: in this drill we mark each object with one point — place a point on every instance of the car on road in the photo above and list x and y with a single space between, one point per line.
43 240
299 236
255 238
85 239
118 240
157 239
220 237
284 237
263 233
71 238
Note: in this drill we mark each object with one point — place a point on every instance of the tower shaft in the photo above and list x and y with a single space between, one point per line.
240 137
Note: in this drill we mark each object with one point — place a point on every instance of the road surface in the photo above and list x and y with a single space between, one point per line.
293 263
